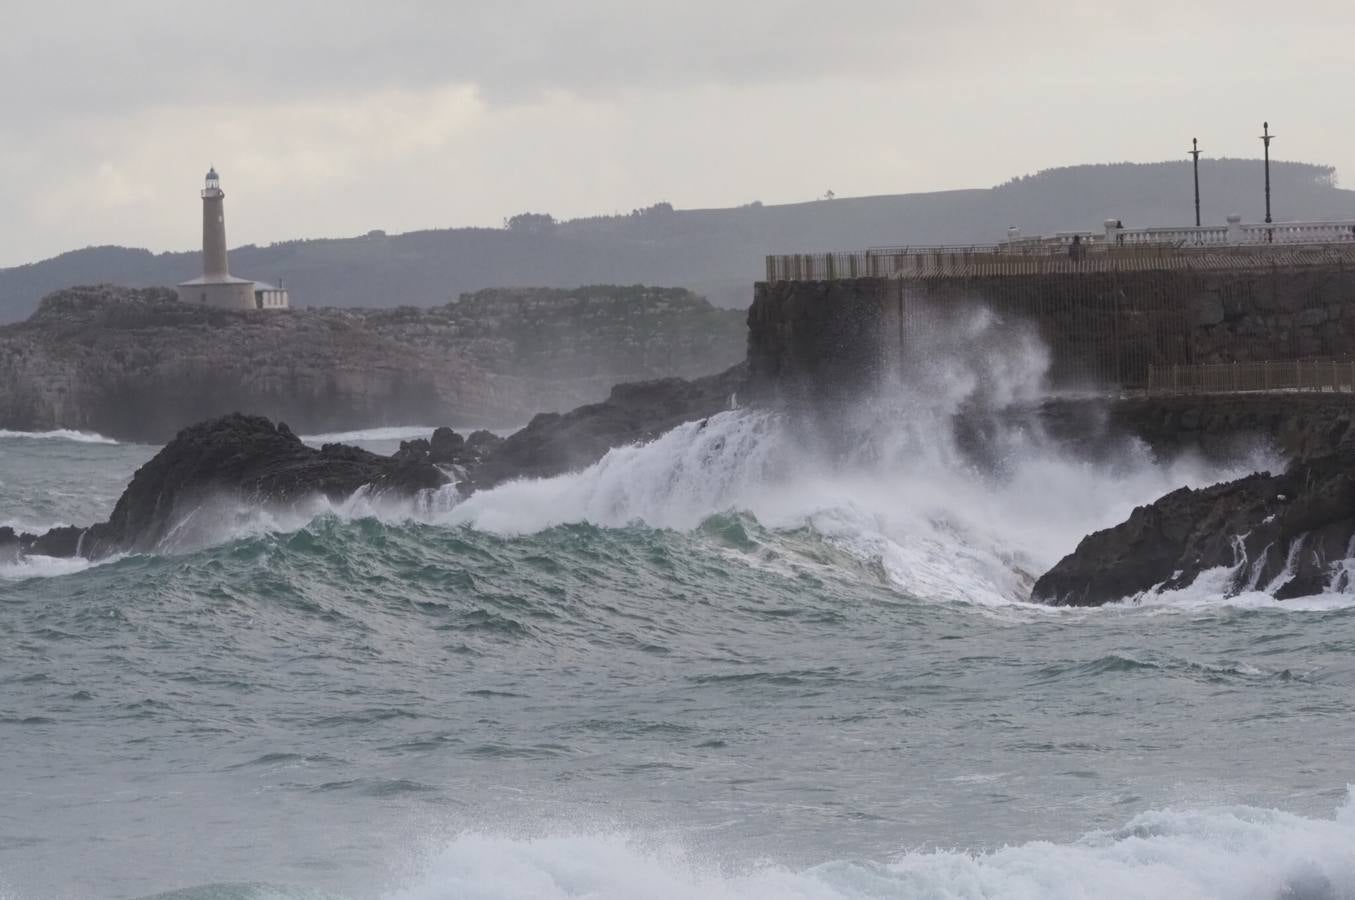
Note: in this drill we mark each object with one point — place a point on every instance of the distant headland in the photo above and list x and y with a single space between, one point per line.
139 364
715 253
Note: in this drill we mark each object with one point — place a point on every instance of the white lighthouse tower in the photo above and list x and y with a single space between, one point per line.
217 286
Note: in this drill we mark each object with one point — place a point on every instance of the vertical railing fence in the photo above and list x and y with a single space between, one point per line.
1336 375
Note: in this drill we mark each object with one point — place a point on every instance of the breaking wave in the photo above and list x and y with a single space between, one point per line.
935 524
368 435
387 433
1233 853
938 525
47 567
60 434
1213 584
891 481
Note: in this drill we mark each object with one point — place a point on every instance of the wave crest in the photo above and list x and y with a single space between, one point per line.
60 434
1237 852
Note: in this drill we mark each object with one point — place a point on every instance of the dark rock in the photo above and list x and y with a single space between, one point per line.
9 544
481 443
553 443
63 541
1286 533
447 446
240 456
413 451
250 459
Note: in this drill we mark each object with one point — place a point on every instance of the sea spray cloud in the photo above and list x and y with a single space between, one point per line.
889 477
943 478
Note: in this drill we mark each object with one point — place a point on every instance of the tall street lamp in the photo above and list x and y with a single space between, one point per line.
1195 154
1266 138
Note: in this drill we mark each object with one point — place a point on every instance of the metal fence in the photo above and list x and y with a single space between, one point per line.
1185 248
1238 377
906 262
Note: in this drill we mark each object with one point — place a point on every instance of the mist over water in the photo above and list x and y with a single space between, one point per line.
892 483
748 659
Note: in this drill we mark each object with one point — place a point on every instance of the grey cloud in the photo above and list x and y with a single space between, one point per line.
73 59
583 106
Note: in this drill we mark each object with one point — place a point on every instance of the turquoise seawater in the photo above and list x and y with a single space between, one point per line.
716 666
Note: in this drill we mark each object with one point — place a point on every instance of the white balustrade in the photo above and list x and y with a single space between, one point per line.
1300 233
1235 232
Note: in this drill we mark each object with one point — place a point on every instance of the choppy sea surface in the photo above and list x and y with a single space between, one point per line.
722 665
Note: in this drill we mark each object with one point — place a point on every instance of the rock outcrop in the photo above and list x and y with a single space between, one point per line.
241 457
248 458
139 365
553 443
1286 534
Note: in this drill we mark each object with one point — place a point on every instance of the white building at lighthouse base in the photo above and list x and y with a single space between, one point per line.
229 292
225 291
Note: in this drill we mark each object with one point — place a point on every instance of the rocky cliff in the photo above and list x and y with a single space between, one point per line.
139 365
1288 534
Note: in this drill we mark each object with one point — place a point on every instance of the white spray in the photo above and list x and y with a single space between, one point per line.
903 494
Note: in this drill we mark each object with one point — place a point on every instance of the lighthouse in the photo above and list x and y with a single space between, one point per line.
217 286
214 227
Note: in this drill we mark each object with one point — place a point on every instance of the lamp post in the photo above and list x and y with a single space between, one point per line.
1195 154
1266 138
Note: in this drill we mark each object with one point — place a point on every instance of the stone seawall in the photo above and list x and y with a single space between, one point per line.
1217 426
1279 314
817 339
1103 328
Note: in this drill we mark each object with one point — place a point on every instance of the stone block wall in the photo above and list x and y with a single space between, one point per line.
1274 315
819 340
1103 329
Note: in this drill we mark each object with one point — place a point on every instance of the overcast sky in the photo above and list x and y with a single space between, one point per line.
333 118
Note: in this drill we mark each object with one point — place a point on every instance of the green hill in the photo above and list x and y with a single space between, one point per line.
717 253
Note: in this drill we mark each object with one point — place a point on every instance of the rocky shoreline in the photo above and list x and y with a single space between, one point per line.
136 365
1287 533
244 457
251 459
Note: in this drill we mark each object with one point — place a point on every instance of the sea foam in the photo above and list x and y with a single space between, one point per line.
361 435
60 434
1235 853
36 566
892 484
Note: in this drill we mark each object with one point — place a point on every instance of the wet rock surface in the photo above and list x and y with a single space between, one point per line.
553 443
242 457
1286 534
